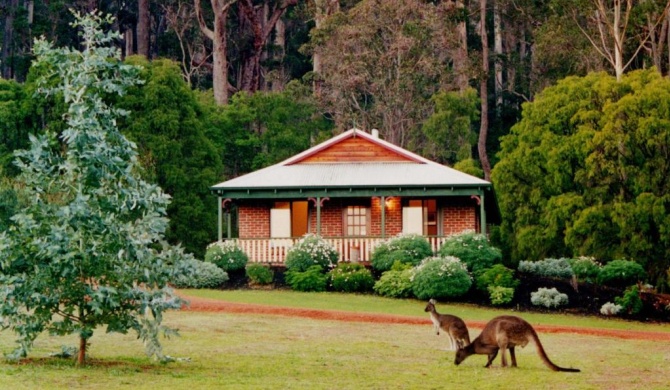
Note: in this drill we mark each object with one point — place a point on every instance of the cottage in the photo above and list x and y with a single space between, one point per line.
353 190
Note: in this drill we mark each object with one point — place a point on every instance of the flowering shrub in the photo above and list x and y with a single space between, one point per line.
313 279
473 249
405 248
548 297
310 250
610 309
621 273
586 269
202 275
500 295
550 268
259 274
227 255
351 277
395 283
440 277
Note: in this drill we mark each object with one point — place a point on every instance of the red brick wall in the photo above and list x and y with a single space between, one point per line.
254 220
458 214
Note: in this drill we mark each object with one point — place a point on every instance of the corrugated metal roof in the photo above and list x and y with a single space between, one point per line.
290 173
352 175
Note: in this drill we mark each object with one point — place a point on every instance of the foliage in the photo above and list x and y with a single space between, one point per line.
440 277
168 126
496 276
621 273
473 249
351 277
548 268
610 309
312 279
86 249
311 250
259 274
380 66
630 301
396 282
586 269
449 133
500 295
405 248
227 255
203 275
548 297
584 172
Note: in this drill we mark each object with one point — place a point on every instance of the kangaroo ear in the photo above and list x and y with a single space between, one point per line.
432 301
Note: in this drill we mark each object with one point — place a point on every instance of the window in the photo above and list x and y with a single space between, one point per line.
420 216
356 221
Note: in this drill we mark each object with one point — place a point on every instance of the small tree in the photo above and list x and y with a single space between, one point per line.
86 249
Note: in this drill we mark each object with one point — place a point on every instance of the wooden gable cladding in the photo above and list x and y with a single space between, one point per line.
355 149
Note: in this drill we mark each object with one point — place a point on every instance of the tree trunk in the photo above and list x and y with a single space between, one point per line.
143 28
498 50
8 39
483 91
279 81
219 45
81 355
323 9
461 58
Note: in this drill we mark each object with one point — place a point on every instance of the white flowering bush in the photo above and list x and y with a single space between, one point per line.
227 255
610 309
473 249
440 277
550 268
548 297
311 250
405 248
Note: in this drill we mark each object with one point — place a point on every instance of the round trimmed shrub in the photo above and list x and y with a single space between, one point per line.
500 295
405 248
309 251
549 268
496 276
440 277
396 282
586 269
313 279
621 273
548 297
201 274
473 249
259 274
227 255
610 309
351 277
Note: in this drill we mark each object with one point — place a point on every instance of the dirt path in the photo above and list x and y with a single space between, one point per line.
212 305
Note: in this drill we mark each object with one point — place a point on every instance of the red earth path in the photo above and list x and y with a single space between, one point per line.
212 305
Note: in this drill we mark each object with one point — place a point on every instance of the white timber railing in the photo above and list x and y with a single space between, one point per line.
350 249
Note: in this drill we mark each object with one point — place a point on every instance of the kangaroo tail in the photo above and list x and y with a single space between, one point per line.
545 358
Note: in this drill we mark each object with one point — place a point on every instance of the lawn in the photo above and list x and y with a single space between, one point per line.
219 350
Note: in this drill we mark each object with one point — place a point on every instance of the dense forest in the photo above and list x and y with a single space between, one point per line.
500 89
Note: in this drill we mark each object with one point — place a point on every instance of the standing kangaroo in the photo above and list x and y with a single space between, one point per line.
506 332
452 325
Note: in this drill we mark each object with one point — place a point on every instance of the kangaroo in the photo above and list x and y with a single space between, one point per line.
452 325
506 332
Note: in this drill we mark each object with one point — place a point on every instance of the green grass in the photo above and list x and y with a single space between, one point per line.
220 350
